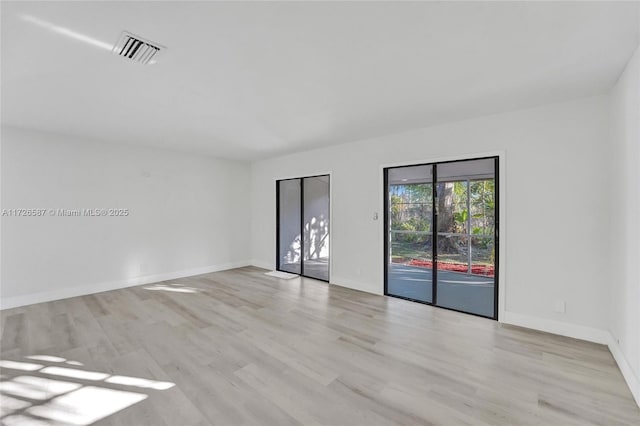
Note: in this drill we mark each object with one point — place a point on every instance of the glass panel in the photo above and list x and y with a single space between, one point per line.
482 255
410 269
410 238
453 253
289 225
482 196
466 223
316 227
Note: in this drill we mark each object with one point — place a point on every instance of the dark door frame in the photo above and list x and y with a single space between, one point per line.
302 178
434 240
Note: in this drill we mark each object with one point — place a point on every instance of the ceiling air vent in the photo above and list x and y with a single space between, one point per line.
136 48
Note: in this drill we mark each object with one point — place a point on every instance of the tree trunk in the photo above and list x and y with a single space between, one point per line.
446 220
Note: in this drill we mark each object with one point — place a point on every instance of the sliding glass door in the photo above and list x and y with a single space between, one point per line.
465 275
316 227
410 219
440 227
289 223
303 226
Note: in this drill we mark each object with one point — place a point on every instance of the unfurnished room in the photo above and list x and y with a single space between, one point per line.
341 213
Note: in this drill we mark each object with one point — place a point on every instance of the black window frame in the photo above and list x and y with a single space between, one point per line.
434 295
301 178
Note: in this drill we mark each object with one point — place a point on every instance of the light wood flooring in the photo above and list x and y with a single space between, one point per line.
241 348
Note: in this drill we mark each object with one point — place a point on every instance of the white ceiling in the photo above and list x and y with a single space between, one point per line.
252 80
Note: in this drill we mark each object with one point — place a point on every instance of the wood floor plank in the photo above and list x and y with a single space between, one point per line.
241 348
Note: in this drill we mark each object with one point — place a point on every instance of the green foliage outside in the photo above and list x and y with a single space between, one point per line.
411 208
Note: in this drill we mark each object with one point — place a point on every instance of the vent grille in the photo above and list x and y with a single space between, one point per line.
136 48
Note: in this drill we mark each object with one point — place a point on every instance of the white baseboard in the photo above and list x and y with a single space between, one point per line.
355 285
584 333
262 264
633 381
581 332
65 293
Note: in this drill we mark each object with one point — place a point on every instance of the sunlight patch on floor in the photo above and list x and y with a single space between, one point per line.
16 365
39 388
140 383
172 288
8 405
35 400
74 373
86 405
49 358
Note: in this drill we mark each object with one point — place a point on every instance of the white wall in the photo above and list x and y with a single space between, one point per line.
556 212
189 214
624 283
